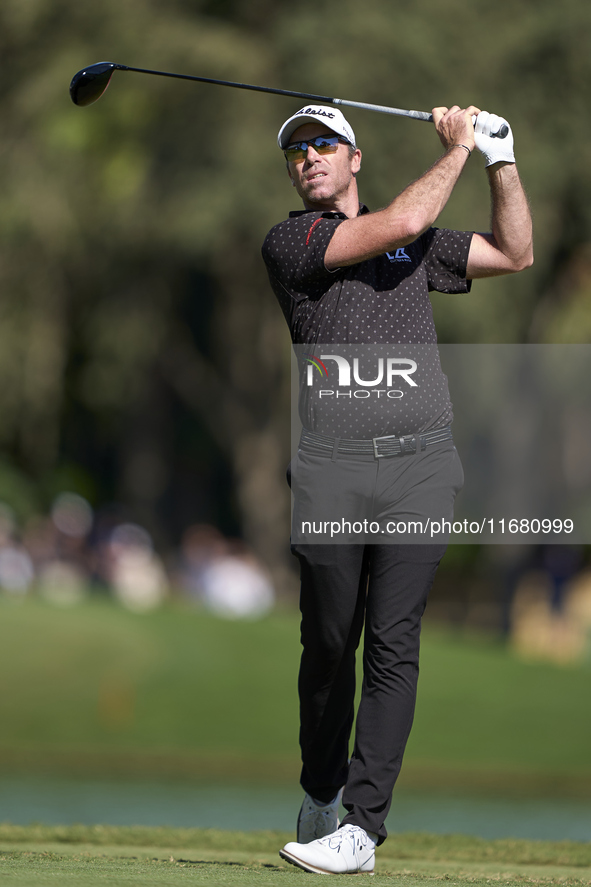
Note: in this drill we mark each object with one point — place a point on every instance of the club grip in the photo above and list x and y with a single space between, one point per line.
501 133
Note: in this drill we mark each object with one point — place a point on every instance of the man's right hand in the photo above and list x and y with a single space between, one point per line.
416 208
454 125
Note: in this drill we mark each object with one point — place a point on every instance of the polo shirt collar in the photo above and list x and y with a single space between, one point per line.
329 214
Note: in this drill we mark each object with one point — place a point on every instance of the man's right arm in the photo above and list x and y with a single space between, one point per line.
417 207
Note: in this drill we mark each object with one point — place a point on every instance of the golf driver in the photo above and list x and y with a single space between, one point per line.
89 84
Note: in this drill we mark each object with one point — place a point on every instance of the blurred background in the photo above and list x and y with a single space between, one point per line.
148 624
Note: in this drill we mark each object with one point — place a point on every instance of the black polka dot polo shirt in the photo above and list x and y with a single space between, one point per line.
382 301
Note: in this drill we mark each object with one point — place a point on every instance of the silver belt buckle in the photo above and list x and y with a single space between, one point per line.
375 440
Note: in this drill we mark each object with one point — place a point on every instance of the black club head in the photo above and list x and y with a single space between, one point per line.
88 85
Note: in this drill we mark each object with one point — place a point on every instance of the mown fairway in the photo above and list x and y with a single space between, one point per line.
103 855
97 690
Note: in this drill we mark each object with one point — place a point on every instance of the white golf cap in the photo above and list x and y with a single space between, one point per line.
330 117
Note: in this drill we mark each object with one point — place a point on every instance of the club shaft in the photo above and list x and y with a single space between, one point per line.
382 109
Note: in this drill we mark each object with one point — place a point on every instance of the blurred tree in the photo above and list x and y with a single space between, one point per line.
134 296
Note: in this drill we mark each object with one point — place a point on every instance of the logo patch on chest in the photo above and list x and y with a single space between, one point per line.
399 256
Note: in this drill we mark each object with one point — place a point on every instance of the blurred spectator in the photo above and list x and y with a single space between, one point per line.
550 614
201 545
71 551
62 583
58 546
40 540
16 567
72 515
136 573
235 585
561 564
224 575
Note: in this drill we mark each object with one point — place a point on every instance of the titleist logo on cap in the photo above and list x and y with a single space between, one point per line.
317 111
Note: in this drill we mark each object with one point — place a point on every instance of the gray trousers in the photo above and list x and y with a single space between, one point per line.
386 587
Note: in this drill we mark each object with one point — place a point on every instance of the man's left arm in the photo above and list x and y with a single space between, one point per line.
508 248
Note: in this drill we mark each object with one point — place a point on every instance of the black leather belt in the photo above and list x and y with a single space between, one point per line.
379 447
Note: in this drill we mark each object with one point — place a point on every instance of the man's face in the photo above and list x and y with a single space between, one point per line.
323 180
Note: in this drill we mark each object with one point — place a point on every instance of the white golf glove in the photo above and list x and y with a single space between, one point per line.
494 149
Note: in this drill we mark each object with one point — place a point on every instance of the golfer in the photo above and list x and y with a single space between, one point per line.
346 276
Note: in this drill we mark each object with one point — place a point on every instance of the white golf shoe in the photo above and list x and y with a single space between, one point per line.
349 850
317 820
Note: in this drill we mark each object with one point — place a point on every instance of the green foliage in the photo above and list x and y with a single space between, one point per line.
17 492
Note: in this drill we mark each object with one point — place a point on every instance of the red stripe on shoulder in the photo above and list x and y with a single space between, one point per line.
311 229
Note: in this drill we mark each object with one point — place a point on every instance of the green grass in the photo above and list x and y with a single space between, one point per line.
100 855
97 690
480 707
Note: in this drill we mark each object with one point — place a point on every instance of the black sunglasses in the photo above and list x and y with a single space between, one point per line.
322 145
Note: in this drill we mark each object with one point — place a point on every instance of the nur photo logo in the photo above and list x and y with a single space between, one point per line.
346 376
